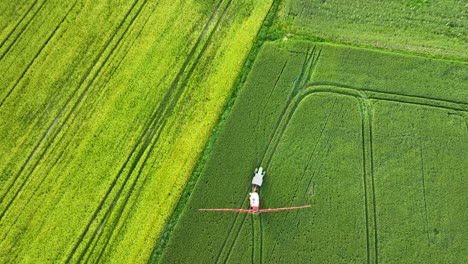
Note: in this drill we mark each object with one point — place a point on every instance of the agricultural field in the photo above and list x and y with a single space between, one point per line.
375 141
422 26
119 119
105 107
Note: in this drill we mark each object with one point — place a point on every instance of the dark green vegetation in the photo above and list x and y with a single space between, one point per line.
423 26
375 141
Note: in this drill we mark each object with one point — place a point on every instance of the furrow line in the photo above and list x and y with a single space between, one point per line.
152 128
21 32
132 20
235 239
424 189
271 91
345 86
253 240
57 117
228 234
35 56
17 24
294 91
372 174
364 177
75 105
274 86
158 129
35 190
122 207
353 93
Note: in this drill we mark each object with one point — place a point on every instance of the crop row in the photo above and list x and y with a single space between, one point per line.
324 142
101 125
410 26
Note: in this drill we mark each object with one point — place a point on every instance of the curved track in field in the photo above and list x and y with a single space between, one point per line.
363 96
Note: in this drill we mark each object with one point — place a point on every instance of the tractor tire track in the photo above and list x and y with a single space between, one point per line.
372 174
111 74
167 114
121 208
271 93
23 209
349 92
58 142
244 216
38 53
423 178
295 89
368 116
371 155
253 240
261 239
18 23
381 95
363 109
22 30
155 126
62 111
309 62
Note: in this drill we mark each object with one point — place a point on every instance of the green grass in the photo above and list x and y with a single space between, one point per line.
373 140
105 108
421 26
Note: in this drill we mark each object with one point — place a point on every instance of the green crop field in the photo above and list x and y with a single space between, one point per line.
119 119
104 110
382 159
423 26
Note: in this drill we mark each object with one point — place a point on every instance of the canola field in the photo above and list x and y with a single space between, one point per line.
104 110
381 159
